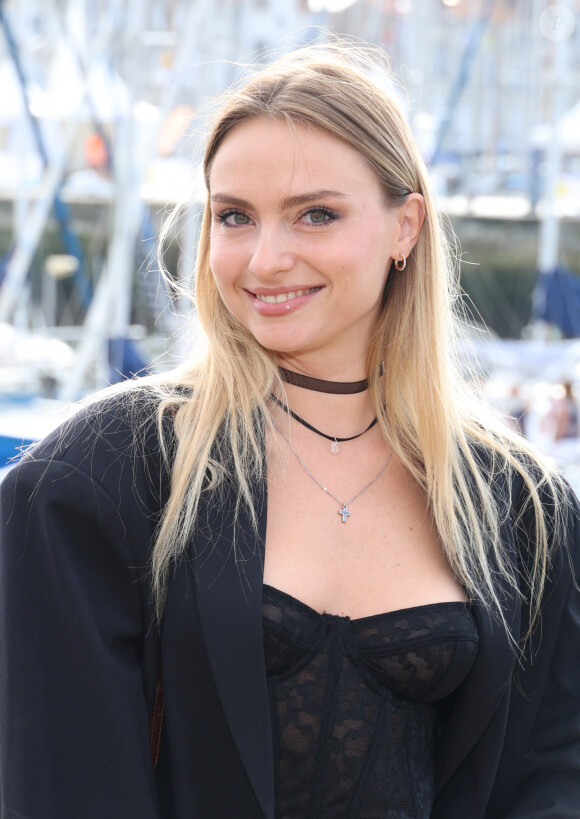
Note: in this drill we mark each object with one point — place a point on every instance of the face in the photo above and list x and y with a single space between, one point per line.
301 241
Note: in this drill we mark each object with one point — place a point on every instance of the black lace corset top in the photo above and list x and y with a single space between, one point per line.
354 705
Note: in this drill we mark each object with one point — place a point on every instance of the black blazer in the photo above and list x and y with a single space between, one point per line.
81 653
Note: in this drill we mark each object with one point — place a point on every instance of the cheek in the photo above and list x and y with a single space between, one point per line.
227 292
380 261
225 259
221 268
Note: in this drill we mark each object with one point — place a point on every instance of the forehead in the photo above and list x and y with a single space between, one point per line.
269 153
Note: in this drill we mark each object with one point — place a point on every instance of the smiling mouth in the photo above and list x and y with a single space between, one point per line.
282 297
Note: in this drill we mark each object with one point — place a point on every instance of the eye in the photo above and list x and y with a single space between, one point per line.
319 216
233 218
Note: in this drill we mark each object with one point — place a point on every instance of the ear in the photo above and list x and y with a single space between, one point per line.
410 218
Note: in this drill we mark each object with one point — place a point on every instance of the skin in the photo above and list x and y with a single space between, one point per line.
295 210
300 210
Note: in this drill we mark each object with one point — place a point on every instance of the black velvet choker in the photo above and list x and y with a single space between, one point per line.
318 385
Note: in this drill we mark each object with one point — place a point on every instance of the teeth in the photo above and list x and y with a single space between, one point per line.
282 297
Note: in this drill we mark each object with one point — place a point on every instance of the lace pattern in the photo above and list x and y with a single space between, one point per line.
353 705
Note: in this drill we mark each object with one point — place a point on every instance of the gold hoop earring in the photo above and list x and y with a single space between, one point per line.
401 264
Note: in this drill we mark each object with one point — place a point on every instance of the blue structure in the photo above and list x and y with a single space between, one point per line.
557 300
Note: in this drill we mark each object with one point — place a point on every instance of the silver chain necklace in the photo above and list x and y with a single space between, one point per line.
344 504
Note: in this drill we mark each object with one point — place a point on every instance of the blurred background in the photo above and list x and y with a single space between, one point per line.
97 100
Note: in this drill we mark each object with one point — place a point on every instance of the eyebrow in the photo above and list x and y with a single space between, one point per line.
286 203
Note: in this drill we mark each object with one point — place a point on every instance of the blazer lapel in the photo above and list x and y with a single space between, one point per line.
228 565
489 680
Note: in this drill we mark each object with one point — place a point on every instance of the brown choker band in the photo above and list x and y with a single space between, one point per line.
318 385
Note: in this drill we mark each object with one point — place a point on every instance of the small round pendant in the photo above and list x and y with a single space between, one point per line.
334 448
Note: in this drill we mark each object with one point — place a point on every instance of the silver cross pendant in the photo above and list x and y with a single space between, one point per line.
344 512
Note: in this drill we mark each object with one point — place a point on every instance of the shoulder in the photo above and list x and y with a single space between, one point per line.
516 472
544 515
534 502
118 420
115 444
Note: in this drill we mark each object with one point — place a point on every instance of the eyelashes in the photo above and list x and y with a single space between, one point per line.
228 217
328 214
315 216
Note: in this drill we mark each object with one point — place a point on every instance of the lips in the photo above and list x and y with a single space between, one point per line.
278 302
280 298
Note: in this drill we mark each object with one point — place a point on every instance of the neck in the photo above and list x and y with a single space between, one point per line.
343 414
333 366
322 385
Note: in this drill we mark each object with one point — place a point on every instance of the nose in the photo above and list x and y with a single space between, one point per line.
273 252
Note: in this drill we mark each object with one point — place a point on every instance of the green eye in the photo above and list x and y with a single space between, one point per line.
234 218
319 216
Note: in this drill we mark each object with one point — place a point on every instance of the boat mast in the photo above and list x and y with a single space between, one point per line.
550 223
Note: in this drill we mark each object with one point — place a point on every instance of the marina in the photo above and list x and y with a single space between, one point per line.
102 108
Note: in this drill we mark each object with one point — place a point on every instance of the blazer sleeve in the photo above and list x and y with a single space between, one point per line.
546 713
74 711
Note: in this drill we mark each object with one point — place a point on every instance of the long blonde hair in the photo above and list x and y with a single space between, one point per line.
426 414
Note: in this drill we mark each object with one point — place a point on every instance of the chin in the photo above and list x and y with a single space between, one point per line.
282 347
280 342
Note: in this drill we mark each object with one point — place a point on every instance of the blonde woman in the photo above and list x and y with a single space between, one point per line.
355 592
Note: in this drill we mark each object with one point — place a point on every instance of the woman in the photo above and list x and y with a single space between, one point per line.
566 425
358 593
